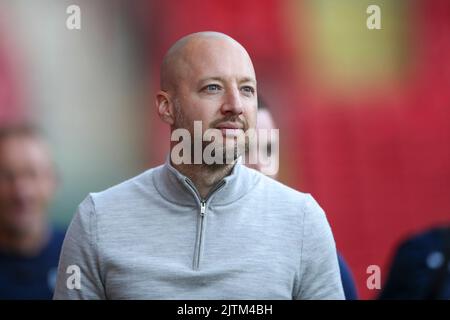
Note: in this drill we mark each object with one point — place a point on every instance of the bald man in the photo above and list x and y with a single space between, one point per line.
192 229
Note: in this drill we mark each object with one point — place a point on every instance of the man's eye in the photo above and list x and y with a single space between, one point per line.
248 89
212 87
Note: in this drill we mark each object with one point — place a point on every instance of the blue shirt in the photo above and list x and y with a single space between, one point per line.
31 277
415 266
348 282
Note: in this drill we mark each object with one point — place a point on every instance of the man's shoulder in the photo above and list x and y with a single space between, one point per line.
274 188
125 191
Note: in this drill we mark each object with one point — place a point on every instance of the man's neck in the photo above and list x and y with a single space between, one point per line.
24 244
205 177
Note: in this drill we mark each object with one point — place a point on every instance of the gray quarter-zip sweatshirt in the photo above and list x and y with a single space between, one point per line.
153 237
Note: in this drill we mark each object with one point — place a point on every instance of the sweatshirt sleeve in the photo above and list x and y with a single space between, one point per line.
78 269
319 269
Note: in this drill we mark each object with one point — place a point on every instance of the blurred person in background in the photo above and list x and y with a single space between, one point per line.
29 246
265 120
421 268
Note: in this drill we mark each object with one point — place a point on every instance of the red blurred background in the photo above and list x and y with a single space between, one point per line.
364 115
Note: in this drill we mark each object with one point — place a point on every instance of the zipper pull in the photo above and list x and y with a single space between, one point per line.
202 208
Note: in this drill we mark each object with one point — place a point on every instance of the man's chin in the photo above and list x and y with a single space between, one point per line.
22 224
230 154
232 133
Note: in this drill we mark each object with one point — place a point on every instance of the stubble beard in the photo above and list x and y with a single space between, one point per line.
230 152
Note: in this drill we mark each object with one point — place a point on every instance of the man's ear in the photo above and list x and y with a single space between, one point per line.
164 107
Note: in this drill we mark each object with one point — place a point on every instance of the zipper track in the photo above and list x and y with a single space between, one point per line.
200 232
201 224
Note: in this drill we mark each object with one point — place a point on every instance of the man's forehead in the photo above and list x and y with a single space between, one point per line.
206 55
217 64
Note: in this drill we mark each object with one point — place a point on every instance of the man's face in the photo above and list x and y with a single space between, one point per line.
216 86
27 184
266 122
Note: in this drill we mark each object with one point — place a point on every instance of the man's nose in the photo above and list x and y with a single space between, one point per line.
23 187
232 103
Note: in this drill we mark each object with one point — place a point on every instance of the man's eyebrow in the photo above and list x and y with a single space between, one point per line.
221 79
247 79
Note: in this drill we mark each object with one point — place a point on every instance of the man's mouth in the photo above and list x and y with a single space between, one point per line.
230 128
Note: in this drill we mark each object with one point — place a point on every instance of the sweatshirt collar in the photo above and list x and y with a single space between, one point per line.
177 188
